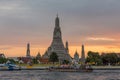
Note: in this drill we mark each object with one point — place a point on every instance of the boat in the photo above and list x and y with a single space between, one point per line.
71 69
9 67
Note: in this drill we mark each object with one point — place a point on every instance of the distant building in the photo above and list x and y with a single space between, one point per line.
76 56
2 55
25 59
28 50
28 58
57 45
46 55
44 60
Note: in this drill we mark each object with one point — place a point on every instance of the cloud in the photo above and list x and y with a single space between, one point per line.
100 39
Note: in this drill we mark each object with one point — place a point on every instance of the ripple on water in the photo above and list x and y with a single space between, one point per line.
46 75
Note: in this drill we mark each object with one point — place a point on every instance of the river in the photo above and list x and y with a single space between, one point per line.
46 75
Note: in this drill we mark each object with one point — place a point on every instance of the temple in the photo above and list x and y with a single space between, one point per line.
57 45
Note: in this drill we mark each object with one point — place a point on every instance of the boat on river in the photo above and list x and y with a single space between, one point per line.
71 69
9 67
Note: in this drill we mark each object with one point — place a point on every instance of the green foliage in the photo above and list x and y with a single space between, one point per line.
111 58
53 57
34 60
94 58
11 60
3 60
104 59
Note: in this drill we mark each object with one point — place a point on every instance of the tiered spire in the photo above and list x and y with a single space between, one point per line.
57 30
67 46
57 21
83 55
28 50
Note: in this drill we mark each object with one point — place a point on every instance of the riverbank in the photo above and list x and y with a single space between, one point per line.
45 67
106 67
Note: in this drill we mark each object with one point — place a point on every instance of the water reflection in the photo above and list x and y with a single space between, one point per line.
46 75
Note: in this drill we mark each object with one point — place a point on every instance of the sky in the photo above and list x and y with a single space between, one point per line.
94 23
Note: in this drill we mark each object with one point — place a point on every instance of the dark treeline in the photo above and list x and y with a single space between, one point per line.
94 58
4 60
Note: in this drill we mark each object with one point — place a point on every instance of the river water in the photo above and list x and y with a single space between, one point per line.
46 75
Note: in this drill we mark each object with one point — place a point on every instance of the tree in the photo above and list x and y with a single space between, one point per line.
11 60
38 56
53 57
94 58
111 58
66 62
3 60
34 60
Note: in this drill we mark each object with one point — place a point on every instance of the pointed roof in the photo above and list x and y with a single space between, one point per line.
2 55
45 55
76 53
38 55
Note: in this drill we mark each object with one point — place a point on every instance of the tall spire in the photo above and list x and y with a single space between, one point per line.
28 50
83 55
57 30
57 21
67 46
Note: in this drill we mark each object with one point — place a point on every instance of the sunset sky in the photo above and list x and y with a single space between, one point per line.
94 23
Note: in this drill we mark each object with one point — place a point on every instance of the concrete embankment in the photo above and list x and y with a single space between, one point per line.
46 68
34 68
106 67
94 68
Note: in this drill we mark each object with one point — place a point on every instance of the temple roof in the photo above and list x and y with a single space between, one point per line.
76 53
